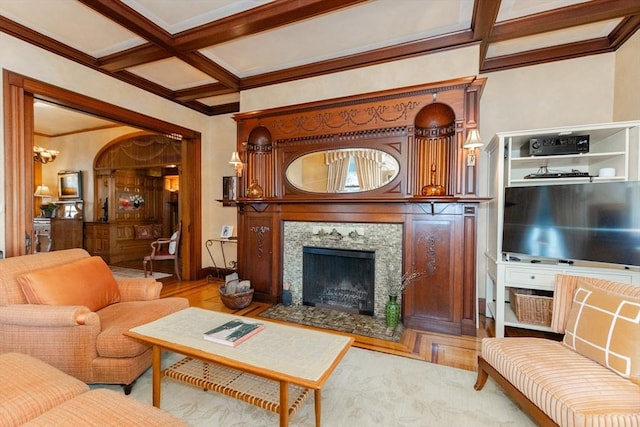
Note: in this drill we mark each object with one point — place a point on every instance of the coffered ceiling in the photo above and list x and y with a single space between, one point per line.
202 53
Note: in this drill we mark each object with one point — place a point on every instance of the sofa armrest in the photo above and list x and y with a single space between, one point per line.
138 289
47 315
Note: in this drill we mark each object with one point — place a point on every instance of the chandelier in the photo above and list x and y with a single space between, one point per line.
44 155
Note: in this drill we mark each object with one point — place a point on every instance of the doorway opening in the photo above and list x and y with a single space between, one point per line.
20 94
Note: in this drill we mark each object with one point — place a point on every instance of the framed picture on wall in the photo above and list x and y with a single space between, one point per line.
69 185
229 188
227 231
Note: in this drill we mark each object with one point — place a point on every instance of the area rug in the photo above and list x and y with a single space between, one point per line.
132 272
367 389
359 324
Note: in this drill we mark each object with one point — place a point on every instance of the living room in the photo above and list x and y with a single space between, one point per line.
576 91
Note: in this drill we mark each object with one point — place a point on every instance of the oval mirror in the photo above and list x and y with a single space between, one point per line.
342 171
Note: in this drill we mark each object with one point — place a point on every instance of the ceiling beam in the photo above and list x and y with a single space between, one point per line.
570 16
132 21
485 13
204 64
549 54
378 56
262 18
204 91
256 20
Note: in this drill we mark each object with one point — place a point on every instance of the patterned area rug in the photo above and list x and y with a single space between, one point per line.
359 324
132 272
367 388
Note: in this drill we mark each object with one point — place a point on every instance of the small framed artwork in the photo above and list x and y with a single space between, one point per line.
229 189
227 231
69 185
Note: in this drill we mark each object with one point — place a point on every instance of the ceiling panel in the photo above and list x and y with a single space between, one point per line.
176 16
73 24
345 32
552 38
172 73
512 9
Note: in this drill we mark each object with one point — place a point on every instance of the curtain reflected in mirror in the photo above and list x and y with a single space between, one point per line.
342 171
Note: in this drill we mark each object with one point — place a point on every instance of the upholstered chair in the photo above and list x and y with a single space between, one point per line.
67 309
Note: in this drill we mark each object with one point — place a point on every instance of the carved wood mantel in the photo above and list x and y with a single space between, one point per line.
423 128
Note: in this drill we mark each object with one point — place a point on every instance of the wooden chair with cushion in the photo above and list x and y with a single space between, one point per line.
164 249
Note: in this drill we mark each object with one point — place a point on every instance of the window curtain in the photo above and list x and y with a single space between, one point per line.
368 167
338 162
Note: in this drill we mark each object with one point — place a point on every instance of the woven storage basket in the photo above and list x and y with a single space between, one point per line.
531 308
236 301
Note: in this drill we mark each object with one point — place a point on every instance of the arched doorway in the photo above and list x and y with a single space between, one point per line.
19 95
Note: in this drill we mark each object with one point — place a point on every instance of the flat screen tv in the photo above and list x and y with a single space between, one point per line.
593 222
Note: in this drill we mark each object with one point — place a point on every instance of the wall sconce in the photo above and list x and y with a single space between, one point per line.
236 163
44 155
473 141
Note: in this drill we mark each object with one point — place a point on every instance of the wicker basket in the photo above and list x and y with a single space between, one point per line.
530 307
236 301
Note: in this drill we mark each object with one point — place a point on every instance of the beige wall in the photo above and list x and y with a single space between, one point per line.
627 83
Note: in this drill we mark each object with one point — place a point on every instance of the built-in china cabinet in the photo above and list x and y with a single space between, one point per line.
136 196
333 170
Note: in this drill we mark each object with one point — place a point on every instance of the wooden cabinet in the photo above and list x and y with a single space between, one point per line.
443 299
256 259
54 234
67 233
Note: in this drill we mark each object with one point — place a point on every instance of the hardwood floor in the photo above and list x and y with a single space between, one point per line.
455 351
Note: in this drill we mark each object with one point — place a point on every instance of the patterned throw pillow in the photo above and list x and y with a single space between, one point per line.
143 232
605 326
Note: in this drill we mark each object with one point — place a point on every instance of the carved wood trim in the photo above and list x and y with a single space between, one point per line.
378 119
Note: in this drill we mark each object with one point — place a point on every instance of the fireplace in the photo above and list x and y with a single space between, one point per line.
341 279
382 239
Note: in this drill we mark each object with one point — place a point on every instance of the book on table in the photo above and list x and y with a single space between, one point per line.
233 332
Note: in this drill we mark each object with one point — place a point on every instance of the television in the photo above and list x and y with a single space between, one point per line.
592 222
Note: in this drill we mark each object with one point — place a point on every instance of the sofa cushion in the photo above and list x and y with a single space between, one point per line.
604 326
31 387
117 319
12 267
87 282
571 389
103 407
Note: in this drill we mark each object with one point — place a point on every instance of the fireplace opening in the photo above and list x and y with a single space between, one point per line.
341 279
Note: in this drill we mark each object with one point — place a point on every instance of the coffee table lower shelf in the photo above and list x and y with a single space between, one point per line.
261 392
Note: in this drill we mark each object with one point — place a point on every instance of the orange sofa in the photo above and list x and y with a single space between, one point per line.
67 309
592 377
34 393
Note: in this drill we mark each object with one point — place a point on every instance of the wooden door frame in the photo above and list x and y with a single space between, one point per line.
19 93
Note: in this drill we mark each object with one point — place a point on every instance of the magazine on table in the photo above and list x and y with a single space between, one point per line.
233 332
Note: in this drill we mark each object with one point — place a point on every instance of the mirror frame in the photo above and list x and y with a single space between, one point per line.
324 150
290 153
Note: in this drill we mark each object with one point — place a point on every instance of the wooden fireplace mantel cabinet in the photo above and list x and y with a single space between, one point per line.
433 194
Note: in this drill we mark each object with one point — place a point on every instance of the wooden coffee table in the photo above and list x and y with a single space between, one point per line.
280 364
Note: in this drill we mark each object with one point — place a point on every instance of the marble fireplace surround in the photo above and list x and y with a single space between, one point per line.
385 239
